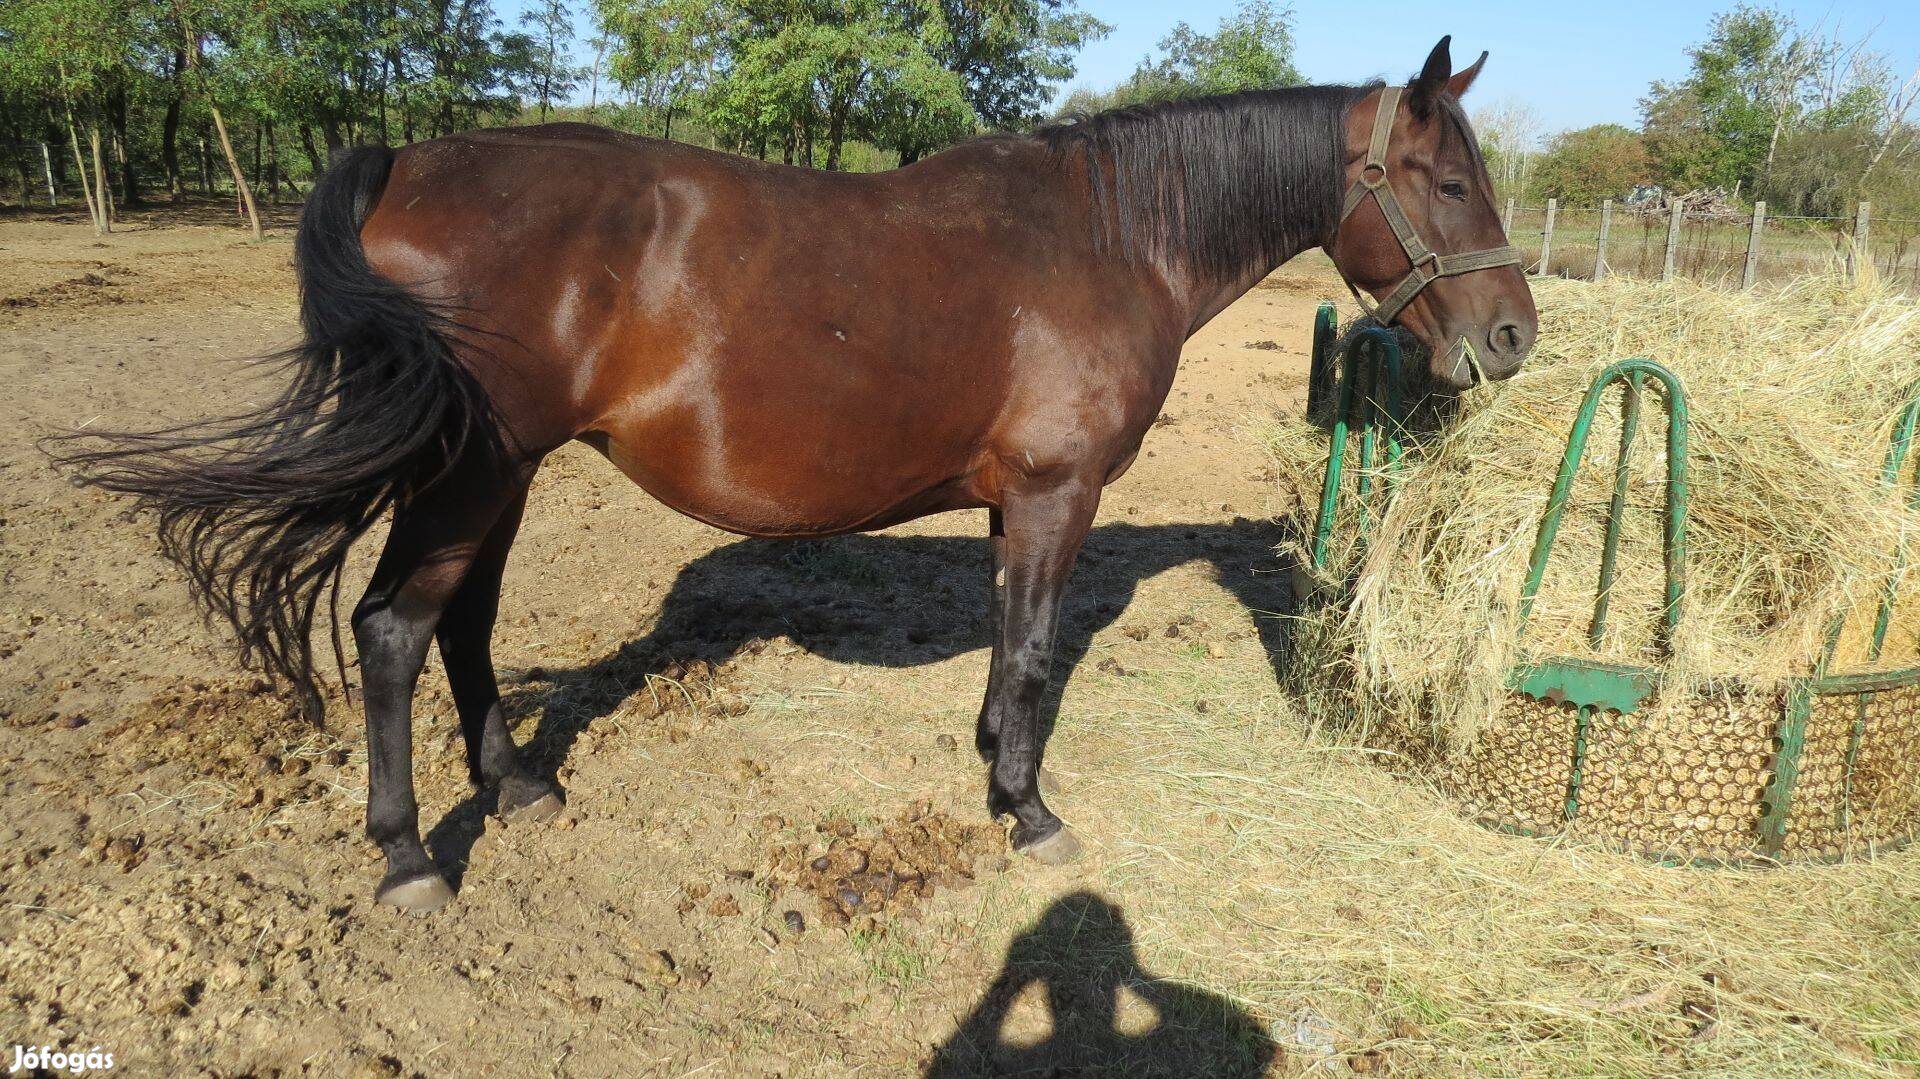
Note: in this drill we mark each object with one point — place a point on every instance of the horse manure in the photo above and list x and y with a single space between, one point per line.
796 923
725 906
886 870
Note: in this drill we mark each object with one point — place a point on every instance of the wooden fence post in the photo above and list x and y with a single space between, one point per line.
1753 244
1506 222
1859 248
1673 240
1546 238
1600 244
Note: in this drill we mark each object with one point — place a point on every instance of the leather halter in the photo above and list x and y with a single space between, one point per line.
1428 265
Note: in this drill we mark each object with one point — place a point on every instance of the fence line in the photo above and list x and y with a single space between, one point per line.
1730 250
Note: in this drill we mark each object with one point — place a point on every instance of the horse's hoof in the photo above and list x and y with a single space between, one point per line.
544 808
423 894
1059 848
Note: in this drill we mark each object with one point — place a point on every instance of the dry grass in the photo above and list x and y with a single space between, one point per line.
1790 524
1323 894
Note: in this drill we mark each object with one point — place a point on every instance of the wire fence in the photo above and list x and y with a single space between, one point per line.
1721 249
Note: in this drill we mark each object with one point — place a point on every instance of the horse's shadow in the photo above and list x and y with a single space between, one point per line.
877 600
1081 954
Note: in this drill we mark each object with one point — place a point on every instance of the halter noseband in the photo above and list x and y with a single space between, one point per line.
1428 265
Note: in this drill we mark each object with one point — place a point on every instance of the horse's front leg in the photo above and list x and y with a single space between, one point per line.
1039 538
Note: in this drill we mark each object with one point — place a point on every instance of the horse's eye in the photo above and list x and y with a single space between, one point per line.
1454 189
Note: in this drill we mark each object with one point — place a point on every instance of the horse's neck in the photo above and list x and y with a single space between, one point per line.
1248 201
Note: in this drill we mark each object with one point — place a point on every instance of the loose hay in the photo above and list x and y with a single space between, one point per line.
1790 524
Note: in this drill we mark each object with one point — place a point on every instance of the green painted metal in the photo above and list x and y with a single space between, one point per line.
1322 376
1776 803
1381 401
1369 378
1577 771
1632 372
1905 432
1616 687
1617 510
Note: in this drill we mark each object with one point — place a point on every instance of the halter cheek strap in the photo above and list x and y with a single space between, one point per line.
1428 265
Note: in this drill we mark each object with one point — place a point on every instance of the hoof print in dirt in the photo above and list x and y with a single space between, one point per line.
864 875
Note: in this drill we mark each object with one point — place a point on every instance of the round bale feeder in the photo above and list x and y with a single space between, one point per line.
1820 768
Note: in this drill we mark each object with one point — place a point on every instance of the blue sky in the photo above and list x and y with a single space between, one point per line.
1574 61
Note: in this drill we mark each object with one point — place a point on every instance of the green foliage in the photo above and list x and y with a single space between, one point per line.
311 73
1771 111
1251 49
553 75
1584 167
1718 125
803 77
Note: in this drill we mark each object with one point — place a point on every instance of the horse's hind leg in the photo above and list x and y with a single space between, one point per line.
466 634
430 549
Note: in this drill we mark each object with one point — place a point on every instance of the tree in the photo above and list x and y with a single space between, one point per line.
1594 163
1008 56
554 74
1749 82
1509 133
76 55
1251 49
804 77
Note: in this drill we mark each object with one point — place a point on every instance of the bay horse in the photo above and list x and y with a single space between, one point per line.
778 352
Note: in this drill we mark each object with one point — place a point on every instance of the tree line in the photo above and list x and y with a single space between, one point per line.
1769 110
110 102
114 102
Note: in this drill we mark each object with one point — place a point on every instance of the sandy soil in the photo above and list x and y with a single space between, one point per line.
748 731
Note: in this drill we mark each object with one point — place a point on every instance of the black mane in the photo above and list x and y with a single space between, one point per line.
1230 183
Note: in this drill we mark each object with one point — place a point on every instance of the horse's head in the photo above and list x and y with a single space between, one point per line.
1420 232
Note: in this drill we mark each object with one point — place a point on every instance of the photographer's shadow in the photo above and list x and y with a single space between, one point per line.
1105 1015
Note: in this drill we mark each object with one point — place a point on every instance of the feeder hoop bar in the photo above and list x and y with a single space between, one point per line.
1633 374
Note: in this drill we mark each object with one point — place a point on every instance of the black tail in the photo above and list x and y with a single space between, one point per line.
260 509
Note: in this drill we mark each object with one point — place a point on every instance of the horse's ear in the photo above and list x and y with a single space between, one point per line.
1432 80
1461 83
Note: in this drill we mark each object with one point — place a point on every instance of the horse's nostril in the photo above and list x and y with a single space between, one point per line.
1508 338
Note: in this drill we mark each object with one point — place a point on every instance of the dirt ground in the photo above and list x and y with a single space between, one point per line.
184 878
775 859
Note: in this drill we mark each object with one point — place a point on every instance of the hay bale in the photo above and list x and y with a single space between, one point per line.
1790 524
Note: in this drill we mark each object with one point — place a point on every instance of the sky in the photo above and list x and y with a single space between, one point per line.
1577 62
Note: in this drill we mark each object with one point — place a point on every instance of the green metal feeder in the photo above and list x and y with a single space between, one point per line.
1827 766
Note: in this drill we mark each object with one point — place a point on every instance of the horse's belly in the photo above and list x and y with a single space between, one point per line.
787 494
